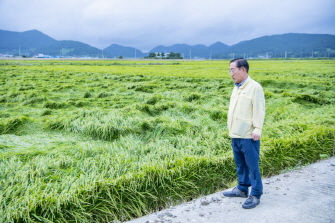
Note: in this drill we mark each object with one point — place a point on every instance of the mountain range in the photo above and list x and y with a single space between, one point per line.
34 42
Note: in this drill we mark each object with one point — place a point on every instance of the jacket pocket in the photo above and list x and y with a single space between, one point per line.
241 126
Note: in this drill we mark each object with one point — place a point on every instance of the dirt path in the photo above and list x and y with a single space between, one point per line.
304 195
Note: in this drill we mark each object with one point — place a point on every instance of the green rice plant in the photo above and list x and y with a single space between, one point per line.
299 149
87 94
103 95
26 87
80 104
218 115
153 100
286 94
3 99
192 97
268 94
95 124
46 112
152 186
12 125
34 100
159 137
54 105
54 124
154 110
306 98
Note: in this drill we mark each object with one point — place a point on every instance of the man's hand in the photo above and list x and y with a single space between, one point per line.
256 137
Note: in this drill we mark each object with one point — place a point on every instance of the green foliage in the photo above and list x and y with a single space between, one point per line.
218 115
97 141
171 55
193 97
46 112
306 98
87 94
12 125
153 100
297 149
54 105
103 95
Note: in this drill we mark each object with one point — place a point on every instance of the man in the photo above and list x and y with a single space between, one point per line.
245 120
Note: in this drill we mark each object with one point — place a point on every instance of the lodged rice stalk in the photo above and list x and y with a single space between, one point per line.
114 141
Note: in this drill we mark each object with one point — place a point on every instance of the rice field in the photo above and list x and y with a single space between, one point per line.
102 141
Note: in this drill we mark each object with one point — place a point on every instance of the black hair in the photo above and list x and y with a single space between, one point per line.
241 62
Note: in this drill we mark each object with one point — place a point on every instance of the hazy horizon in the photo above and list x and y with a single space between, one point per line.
145 24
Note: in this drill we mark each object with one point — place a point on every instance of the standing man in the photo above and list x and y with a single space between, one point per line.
245 120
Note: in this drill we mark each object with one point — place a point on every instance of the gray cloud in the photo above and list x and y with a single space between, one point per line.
145 24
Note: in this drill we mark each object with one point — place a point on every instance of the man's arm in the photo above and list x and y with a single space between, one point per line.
258 113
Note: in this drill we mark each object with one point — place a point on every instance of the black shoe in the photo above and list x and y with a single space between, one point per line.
235 193
251 202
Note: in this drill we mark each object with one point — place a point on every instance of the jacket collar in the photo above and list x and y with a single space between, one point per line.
243 83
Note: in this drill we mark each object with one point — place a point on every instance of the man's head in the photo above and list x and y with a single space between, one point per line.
239 69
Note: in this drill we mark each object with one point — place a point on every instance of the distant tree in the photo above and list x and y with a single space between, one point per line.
120 57
152 55
171 55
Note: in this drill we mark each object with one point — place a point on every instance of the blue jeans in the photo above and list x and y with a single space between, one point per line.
246 155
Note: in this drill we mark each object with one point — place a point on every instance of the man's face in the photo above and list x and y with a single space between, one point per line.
236 73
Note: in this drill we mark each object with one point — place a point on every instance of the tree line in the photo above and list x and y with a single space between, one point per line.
170 55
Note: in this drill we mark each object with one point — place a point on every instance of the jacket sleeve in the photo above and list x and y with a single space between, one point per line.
258 110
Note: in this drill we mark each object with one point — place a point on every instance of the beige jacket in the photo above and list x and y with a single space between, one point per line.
246 110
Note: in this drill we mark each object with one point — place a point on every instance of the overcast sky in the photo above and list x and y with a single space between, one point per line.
145 24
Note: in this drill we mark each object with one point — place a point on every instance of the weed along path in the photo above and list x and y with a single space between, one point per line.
302 195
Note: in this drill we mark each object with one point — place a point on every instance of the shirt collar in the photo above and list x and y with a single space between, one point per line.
240 84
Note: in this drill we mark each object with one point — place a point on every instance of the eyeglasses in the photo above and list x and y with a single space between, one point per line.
231 71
